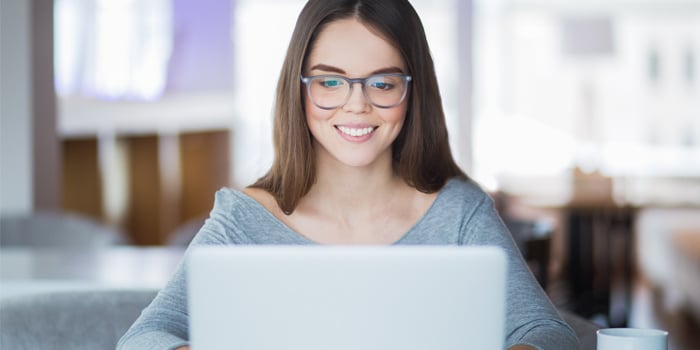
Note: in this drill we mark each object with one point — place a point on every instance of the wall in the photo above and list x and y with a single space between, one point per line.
16 194
46 147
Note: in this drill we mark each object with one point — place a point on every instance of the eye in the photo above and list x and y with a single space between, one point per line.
383 83
331 82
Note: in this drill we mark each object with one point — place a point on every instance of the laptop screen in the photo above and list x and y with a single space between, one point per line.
349 297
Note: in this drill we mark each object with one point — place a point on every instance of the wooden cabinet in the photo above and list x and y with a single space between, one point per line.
166 180
80 179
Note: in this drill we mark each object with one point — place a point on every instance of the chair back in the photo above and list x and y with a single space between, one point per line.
89 320
53 229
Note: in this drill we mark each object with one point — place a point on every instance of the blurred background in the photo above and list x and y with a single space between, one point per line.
121 118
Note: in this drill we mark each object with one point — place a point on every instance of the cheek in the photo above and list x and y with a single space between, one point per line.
314 113
396 115
310 110
315 117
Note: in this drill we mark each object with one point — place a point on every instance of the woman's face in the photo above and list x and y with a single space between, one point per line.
357 133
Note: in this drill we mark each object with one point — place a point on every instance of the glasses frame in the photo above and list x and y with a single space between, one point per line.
351 82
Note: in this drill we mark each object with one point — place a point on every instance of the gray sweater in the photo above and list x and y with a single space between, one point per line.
462 214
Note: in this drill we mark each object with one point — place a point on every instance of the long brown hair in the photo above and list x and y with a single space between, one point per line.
421 152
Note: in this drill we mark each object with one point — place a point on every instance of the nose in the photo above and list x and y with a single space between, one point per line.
357 101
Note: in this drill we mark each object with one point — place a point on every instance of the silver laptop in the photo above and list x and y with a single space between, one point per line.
346 298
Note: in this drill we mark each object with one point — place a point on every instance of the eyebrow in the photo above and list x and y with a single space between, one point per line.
331 69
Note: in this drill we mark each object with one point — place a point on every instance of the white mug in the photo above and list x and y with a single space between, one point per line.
632 339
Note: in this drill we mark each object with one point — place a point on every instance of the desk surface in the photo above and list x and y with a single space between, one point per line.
26 270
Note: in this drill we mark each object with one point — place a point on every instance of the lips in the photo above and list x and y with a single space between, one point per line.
355 132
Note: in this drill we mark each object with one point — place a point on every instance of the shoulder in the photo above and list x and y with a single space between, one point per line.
258 194
481 223
227 197
232 203
263 198
234 216
465 192
460 199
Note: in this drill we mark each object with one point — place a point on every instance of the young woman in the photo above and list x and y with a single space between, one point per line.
362 157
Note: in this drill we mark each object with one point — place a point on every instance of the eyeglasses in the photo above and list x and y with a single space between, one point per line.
333 91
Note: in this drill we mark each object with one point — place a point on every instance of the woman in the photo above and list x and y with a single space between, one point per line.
361 158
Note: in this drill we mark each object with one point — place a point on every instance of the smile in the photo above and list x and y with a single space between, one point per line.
355 132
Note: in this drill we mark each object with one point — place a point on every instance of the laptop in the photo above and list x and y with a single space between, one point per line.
346 297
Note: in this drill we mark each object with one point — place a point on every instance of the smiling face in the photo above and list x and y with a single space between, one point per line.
356 134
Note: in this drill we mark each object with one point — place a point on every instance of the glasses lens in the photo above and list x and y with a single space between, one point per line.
328 92
382 90
385 90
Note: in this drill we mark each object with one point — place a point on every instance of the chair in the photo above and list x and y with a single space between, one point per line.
89 320
53 229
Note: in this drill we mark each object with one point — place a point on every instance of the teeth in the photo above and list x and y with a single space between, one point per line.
355 132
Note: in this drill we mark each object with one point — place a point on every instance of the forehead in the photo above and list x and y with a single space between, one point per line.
353 47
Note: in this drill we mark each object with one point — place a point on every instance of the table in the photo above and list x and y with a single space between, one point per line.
30 270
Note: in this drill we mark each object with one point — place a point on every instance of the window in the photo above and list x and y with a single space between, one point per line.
112 49
561 86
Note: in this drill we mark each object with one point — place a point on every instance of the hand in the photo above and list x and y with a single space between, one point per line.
521 347
183 348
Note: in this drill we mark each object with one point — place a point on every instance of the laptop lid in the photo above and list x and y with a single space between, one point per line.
346 298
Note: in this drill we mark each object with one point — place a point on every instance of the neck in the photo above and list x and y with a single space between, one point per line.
347 191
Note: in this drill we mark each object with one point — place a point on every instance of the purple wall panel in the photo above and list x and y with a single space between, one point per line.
202 57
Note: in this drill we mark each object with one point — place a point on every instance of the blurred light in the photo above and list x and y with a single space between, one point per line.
586 36
112 49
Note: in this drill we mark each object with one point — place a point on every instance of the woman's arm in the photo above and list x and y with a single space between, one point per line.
164 324
530 316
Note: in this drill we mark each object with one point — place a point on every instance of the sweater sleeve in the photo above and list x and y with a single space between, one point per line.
163 325
531 319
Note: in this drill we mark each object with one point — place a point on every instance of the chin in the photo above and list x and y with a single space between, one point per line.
357 160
